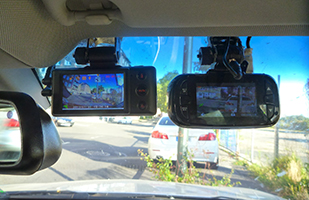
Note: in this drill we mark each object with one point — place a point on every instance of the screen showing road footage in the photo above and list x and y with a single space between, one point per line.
93 91
230 100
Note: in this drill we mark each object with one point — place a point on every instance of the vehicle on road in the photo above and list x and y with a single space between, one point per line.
202 143
122 120
125 120
63 121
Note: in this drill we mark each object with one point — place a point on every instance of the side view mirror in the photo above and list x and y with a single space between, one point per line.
29 140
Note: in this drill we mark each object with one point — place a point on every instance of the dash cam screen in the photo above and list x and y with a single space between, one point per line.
228 101
93 91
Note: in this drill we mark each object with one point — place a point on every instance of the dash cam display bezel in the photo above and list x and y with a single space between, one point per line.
139 94
183 108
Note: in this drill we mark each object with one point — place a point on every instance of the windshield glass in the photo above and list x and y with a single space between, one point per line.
106 147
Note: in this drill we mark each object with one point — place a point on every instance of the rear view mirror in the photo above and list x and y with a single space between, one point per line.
29 140
218 100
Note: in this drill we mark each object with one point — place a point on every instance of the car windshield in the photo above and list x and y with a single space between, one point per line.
109 147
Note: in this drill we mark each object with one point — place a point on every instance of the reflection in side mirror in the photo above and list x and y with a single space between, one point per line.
10 138
29 140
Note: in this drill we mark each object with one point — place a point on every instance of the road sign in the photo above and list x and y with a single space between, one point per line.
98 79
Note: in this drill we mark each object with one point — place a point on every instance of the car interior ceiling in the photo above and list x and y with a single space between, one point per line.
45 34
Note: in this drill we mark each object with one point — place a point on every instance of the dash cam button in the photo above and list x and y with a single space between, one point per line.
184 88
142 105
268 88
141 76
269 99
184 111
270 111
141 90
268 91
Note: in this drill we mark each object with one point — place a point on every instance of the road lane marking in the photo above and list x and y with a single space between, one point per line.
61 174
63 143
134 143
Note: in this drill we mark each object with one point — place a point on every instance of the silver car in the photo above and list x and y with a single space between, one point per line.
61 121
202 143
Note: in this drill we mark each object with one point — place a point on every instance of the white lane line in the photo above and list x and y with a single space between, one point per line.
135 143
63 143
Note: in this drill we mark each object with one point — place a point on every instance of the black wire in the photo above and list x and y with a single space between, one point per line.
88 41
240 44
248 41
227 46
226 63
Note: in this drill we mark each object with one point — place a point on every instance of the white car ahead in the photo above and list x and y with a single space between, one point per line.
203 143
126 120
122 120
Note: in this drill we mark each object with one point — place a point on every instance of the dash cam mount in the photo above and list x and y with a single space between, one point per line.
106 57
227 53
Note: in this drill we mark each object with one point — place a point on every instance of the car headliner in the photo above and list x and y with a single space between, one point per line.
40 33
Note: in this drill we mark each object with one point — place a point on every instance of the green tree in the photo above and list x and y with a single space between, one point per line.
162 90
101 89
294 122
94 90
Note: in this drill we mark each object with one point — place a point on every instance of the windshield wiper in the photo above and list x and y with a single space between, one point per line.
113 196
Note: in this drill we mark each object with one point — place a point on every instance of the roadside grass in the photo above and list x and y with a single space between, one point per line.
164 170
286 176
239 162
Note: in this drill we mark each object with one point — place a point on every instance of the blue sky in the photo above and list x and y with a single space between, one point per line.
284 56
268 54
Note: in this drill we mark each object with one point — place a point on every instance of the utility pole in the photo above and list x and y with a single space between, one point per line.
276 152
183 136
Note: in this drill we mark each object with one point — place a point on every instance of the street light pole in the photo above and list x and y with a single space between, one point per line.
181 164
276 150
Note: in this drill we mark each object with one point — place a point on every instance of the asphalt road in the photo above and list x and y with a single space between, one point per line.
87 101
94 149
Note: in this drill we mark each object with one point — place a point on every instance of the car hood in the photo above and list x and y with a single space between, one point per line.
138 187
